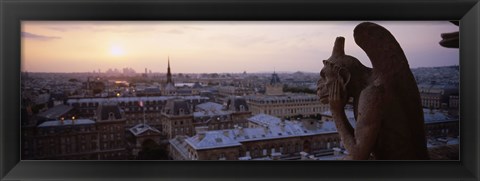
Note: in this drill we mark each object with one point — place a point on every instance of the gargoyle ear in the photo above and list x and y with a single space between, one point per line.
345 75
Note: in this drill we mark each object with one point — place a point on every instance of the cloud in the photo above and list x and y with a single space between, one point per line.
38 37
192 28
174 31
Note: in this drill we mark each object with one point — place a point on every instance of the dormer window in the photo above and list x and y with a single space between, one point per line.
242 108
181 111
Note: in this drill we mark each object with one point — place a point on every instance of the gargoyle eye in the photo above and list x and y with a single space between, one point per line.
322 74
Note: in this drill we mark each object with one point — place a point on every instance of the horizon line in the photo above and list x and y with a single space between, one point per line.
240 72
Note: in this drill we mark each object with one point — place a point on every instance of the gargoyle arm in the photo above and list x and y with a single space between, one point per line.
361 140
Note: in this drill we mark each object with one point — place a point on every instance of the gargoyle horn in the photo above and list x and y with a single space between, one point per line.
339 47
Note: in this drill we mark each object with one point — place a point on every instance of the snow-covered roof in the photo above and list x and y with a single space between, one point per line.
66 122
179 143
141 128
55 112
264 119
348 112
210 106
212 139
234 137
435 116
169 87
210 109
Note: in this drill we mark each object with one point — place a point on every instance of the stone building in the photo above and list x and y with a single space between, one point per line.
180 117
437 96
85 107
287 105
82 139
227 91
274 87
454 101
142 133
177 118
66 139
439 124
281 140
110 122
215 116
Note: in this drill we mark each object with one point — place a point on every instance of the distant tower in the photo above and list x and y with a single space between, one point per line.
169 74
275 87
169 88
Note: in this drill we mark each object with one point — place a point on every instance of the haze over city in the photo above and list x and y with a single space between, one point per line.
207 47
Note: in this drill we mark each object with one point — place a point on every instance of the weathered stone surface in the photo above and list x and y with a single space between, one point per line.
451 40
386 100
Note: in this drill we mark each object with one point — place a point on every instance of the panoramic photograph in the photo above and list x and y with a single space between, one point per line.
240 90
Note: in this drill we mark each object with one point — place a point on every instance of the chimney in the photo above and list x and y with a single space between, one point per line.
266 128
337 151
201 136
240 130
304 155
282 125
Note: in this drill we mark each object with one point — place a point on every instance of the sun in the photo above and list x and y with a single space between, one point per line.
116 50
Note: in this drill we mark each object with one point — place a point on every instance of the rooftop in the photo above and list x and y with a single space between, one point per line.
295 96
210 106
142 128
265 119
210 109
66 123
436 116
132 99
269 129
55 112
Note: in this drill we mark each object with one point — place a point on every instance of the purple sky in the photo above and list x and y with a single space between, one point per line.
230 46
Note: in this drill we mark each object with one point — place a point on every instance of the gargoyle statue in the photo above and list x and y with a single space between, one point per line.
386 100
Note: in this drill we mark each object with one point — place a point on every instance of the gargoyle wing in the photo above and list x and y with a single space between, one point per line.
381 47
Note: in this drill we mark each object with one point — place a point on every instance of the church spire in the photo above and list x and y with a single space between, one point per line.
169 74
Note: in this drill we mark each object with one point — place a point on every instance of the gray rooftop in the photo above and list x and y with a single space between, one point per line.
132 99
66 123
55 112
274 130
142 128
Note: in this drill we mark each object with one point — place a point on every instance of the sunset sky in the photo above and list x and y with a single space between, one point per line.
221 46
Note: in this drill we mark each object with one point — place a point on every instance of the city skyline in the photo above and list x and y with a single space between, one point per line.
214 47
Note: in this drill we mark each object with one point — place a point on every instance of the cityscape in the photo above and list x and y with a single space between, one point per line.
131 112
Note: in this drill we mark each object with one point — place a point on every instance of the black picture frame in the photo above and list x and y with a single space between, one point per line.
12 12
